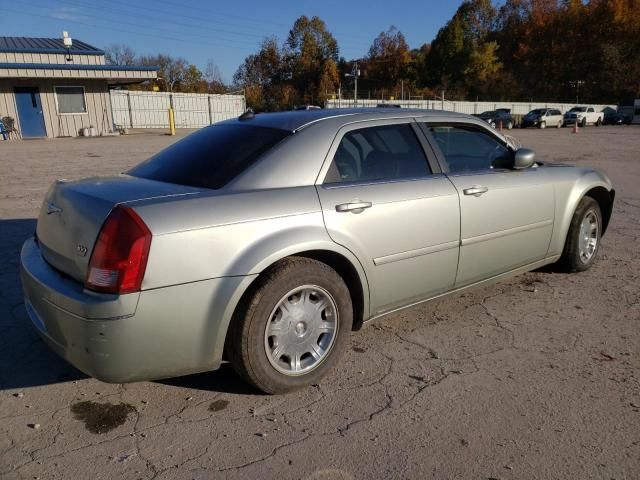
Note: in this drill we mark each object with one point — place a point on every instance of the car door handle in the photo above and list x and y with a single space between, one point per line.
475 191
355 207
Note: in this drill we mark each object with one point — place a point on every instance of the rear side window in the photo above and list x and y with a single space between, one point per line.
389 152
468 149
211 157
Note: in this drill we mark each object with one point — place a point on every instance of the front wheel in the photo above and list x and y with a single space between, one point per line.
583 238
543 124
292 327
559 124
583 123
510 125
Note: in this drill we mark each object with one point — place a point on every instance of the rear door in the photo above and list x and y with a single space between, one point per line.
506 215
384 198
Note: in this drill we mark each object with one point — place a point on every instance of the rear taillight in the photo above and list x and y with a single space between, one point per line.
120 255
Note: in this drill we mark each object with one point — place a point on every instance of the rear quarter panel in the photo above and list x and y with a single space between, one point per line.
233 234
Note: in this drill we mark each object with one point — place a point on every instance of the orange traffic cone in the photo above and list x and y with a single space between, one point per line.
575 127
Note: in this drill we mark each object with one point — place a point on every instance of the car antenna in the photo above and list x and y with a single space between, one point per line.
247 115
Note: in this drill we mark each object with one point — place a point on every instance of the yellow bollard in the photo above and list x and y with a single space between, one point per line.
172 122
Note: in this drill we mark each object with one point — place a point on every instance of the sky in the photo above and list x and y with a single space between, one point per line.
225 32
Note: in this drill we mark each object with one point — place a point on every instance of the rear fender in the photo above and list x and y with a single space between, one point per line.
259 256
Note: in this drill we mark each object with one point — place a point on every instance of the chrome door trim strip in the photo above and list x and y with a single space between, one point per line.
504 233
395 257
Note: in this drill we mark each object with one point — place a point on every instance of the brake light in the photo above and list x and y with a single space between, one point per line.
119 258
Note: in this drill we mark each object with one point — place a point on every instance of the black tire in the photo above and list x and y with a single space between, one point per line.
598 122
583 123
542 125
559 125
571 259
245 344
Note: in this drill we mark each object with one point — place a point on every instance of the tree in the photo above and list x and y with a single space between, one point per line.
309 47
119 54
213 77
262 76
389 59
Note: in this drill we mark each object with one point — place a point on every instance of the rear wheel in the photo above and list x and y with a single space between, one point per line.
292 328
583 238
598 122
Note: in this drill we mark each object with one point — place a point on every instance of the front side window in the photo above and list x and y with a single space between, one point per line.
389 152
470 149
211 157
71 100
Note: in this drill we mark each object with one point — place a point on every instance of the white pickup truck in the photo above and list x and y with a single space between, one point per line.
583 116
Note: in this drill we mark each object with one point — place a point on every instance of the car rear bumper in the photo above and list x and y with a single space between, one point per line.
152 334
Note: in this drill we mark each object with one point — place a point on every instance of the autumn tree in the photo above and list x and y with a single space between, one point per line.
311 55
389 59
262 76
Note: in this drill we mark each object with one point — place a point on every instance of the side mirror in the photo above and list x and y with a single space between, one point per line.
524 158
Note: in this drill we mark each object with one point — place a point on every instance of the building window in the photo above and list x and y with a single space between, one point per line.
71 100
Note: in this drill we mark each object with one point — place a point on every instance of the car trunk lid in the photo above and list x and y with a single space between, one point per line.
72 215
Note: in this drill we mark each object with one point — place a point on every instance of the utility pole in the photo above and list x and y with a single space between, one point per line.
355 73
402 89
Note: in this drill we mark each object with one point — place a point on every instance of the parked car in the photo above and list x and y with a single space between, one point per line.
496 118
307 107
583 116
267 239
542 118
615 117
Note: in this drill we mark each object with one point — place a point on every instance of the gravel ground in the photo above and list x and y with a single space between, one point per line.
535 377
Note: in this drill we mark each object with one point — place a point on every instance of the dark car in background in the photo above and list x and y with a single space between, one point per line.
499 117
615 117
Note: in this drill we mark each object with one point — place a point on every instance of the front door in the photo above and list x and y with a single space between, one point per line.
383 200
30 117
506 215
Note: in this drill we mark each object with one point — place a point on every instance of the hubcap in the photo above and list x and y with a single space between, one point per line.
588 239
301 330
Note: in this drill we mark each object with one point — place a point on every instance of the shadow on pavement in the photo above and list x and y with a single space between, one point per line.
25 359
223 380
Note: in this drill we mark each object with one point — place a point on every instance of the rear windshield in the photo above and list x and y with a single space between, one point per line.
211 157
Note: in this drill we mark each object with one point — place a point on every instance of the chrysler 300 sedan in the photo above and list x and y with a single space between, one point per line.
265 240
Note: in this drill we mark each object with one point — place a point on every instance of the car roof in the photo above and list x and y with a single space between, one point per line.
298 119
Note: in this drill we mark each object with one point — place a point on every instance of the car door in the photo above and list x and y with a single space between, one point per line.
506 215
384 198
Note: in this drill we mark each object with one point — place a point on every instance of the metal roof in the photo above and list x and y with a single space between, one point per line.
45 45
74 66
297 119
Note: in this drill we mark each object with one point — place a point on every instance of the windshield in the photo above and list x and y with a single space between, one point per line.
488 112
537 111
578 109
211 157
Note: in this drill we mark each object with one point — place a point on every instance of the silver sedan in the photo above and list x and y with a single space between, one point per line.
265 240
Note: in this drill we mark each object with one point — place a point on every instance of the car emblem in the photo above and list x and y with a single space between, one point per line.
52 208
81 250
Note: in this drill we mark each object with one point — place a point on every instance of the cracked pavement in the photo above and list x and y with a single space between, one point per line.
533 377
